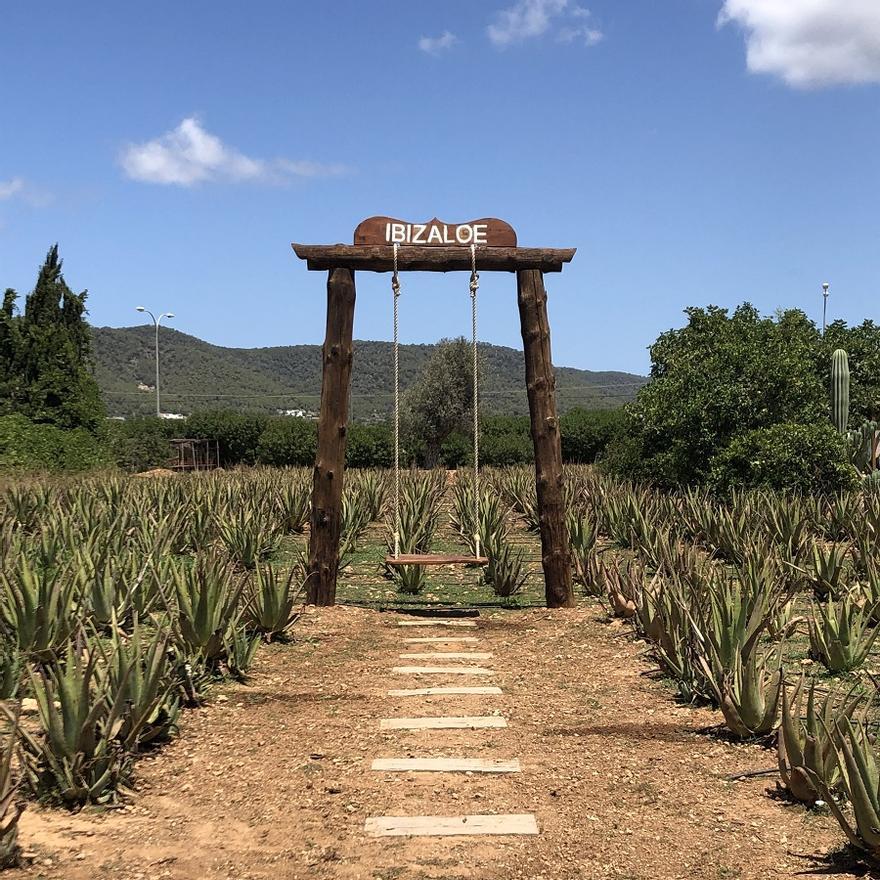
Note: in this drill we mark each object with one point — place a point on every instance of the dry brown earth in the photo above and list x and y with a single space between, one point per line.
272 779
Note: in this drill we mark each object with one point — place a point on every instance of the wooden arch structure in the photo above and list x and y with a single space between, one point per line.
435 247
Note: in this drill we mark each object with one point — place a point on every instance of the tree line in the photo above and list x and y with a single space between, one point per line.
735 399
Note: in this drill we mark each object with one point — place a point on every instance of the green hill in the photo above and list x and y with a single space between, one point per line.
197 375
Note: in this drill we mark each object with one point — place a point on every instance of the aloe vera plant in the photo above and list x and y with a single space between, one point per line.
270 600
582 538
11 805
805 746
355 519
78 758
207 594
506 571
372 485
292 501
783 622
248 535
418 518
829 568
841 635
239 647
138 667
749 694
859 781
38 606
733 615
624 588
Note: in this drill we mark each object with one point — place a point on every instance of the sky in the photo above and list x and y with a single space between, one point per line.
694 151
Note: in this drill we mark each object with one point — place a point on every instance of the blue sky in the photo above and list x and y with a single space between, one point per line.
694 151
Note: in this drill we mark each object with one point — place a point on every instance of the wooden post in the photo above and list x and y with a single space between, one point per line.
326 517
541 387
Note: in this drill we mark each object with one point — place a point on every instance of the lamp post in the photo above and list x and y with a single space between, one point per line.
156 323
825 287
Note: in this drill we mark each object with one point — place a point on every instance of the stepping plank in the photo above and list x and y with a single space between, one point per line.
443 691
470 623
439 670
447 655
446 765
447 826
441 639
462 722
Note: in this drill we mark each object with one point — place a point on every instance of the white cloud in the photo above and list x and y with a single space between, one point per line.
810 43
589 36
189 155
437 45
9 188
528 19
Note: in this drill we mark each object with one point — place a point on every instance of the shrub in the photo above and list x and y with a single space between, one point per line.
456 451
586 433
238 434
786 456
288 442
506 440
29 446
369 446
139 444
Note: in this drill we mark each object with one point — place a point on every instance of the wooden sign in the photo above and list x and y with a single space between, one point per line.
488 232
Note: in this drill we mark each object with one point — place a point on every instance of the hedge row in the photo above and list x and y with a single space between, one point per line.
253 438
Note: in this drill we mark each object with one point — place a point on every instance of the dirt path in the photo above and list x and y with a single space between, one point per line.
273 779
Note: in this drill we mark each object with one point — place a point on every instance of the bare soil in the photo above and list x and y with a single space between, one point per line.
273 779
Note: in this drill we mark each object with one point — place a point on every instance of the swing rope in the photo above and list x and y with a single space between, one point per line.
474 287
395 291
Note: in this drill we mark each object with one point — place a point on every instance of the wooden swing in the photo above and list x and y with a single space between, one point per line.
434 246
477 558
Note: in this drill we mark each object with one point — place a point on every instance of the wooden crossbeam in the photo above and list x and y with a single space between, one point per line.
380 258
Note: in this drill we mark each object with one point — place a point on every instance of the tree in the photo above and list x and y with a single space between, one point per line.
716 378
45 355
585 433
441 400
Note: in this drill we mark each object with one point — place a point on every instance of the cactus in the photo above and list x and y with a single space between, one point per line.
840 390
863 449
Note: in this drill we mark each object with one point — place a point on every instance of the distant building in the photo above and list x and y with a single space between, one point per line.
143 387
172 416
297 413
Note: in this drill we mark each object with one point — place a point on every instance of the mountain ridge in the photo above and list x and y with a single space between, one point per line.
199 375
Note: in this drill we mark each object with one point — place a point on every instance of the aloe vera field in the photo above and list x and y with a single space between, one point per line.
173 709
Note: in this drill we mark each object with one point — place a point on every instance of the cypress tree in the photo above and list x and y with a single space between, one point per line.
45 354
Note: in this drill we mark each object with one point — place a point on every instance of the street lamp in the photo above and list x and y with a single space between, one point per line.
156 322
825 286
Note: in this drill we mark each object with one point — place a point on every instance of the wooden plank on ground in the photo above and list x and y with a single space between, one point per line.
441 670
446 765
448 655
447 826
449 639
470 623
457 722
443 691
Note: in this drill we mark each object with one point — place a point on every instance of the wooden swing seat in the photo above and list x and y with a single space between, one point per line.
435 559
